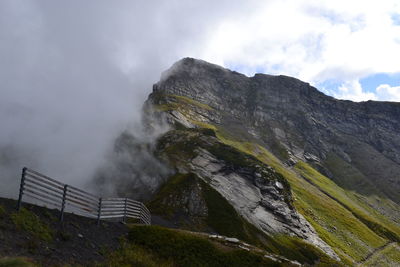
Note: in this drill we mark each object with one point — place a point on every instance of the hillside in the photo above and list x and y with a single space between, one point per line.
34 237
273 161
247 171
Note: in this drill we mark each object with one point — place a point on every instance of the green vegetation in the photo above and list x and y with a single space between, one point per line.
355 191
347 176
15 262
184 249
349 237
181 103
221 216
364 213
2 211
279 150
343 218
224 219
389 256
31 223
133 255
179 145
167 202
190 101
297 249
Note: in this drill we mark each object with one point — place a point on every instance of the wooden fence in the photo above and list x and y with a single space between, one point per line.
66 198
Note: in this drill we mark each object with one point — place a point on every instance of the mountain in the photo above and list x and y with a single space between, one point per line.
276 163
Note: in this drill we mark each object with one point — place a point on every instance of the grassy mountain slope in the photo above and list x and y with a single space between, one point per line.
80 242
345 219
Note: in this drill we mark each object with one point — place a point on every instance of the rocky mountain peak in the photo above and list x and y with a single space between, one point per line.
274 162
293 118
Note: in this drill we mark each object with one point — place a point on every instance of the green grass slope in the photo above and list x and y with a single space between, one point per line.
183 249
348 228
387 257
185 190
345 219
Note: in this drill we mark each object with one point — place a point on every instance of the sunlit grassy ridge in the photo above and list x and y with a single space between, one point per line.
183 249
181 103
389 256
344 221
343 218
349 237
376 221
180 147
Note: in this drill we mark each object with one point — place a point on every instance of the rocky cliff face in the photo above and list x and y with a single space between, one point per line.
274 162
294 120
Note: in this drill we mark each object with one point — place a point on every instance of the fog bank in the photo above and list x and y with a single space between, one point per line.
74 75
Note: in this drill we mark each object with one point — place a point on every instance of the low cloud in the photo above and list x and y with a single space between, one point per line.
353 91
385 91
74 75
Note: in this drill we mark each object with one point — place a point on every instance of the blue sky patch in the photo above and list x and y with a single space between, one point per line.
396 19
329 87
370 83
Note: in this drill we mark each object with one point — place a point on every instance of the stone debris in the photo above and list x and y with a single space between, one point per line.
232 239
279 185
243 247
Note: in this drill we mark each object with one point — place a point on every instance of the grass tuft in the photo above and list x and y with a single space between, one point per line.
2 211
15 262
184 249
27 221
133 255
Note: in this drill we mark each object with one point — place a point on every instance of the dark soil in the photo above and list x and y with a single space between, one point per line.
76 241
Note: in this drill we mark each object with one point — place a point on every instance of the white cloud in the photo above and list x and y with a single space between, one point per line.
74 73
385 92
313 40
352 90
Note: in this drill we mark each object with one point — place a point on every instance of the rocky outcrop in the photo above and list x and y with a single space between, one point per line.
257 199
255 190
293 119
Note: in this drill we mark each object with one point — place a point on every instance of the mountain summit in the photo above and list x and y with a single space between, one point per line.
297 122
272 161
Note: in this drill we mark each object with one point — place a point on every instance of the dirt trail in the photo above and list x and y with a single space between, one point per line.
374 252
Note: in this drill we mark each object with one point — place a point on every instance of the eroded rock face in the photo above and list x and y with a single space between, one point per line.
255 190
293 119
257 199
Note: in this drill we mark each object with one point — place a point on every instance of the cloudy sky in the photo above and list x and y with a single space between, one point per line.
73 74
346 48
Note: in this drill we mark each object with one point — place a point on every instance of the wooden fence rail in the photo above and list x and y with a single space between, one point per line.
67 198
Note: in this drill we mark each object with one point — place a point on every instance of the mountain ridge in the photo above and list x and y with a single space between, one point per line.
374 123
340 158
272 161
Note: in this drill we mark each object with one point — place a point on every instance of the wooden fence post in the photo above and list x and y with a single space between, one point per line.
63 202
99 211
124 218
21 187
